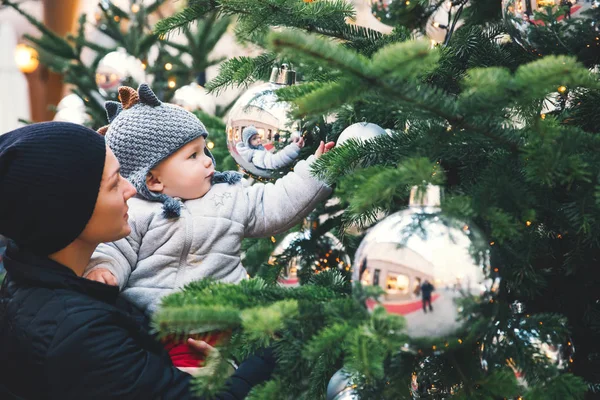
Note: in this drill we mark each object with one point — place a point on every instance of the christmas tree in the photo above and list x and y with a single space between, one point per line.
508 126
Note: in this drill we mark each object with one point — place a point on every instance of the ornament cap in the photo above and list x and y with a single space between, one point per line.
283 75
430 198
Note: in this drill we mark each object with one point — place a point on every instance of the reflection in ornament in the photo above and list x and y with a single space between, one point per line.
259 107
71 109
431 266
360 131
547 24
116 69
330 253
194 97
340 387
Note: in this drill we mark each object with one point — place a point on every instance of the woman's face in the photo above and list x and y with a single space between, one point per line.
109 222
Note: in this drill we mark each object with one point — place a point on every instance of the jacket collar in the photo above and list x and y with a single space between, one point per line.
33 270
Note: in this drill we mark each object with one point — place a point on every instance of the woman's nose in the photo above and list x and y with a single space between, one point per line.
130 191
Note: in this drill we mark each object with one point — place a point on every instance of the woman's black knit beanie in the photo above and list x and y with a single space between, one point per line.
50 175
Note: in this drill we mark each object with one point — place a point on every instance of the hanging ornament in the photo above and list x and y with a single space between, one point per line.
444 19
194 97
71 109
259 107
340 387
330 254
543 25
430 266
116 69
361 131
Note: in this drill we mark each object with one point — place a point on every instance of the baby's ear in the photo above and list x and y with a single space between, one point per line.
153 183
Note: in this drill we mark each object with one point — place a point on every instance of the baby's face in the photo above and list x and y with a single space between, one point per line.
255 140
187 173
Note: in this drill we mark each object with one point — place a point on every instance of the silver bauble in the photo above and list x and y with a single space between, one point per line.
260 107
360 131
326 244
531 32
194 97
428 265
340 387
71 109
118 68
544 349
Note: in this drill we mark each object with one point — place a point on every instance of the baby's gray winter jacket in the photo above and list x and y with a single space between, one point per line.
162 255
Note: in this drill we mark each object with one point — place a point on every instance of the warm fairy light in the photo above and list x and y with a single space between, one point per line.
144 66
26 58
135 8
528 223
407 3
272 237
543 116
460 341
562 89
559 236
117 18
168 66
492 243
210 145
171 83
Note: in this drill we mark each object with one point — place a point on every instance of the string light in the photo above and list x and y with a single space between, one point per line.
562 89
492 243
135 8
117 18
171 83
211 145
528 223
168 66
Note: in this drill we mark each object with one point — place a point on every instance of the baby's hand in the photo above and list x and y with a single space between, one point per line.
103 275
324 148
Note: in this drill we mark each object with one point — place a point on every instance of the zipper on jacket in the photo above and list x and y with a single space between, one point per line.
189 229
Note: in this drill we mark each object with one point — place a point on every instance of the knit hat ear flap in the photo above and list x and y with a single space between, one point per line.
147 96
113 109
128 96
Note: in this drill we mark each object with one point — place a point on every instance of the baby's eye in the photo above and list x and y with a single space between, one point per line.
194 155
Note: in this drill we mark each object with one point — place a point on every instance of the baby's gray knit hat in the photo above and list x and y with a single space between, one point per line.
247 134
143 131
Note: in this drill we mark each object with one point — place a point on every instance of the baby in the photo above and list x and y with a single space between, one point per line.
188 221
252 150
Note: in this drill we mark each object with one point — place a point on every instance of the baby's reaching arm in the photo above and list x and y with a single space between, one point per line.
276 207
112 263
286 156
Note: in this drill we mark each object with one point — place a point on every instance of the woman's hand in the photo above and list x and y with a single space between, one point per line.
300 142
102 275
201 347
324 148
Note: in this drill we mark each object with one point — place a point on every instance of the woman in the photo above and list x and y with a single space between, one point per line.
63 336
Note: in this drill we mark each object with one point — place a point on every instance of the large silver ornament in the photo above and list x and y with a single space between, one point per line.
194 97
429 265
340 387
360 131
545 24
260 108
118 68
331 255
71 109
